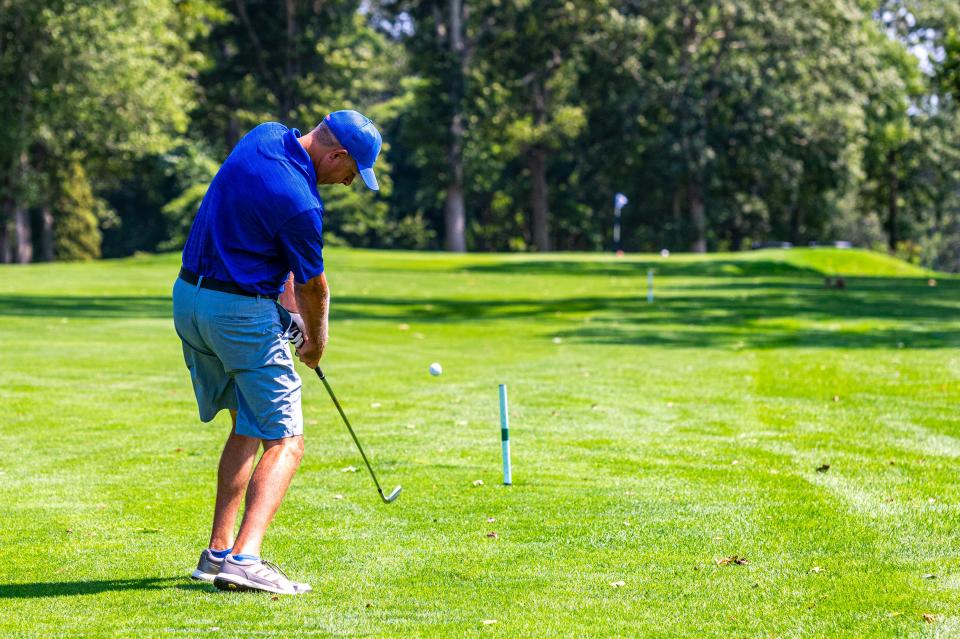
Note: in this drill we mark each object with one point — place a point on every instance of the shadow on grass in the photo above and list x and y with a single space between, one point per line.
869 313
666 268
72 588
740 312
101 306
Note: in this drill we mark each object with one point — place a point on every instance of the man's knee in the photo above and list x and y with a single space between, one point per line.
297 447
291 447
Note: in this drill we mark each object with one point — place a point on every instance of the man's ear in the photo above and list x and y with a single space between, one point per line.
336 154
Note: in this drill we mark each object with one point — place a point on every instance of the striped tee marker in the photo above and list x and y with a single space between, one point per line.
505 436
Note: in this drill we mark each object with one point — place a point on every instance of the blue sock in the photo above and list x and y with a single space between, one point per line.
246 557
220 554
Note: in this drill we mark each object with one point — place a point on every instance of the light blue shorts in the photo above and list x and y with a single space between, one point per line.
236 350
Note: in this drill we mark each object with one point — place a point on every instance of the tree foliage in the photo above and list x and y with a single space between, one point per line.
90 86
508 124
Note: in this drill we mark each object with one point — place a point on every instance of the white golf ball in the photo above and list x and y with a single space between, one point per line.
436 369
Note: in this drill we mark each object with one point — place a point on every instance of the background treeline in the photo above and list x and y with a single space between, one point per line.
509 124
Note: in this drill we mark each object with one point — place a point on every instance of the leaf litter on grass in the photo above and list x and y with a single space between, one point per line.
733 560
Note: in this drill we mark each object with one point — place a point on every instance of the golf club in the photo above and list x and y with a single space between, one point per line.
396 491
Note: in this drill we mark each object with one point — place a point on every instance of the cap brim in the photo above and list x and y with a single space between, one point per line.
369 179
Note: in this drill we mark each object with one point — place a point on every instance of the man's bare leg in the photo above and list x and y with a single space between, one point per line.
236 462
277 465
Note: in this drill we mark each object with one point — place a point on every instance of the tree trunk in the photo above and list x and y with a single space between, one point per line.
796 219
893 194
290 64
675 238
736 233
794 211
6 255
24 237
456 219
455 206
698 217
233 132
47 243
677 206
537 164
6 217
455 209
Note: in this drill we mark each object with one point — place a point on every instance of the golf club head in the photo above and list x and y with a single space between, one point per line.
389 498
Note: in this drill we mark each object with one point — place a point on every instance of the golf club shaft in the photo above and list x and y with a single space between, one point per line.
350 428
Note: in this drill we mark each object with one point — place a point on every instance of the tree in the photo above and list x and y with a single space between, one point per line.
536 52
87 86
441 38
923 173
752 115
949 75
894 85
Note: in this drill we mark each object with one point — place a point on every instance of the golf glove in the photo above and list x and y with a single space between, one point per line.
295 331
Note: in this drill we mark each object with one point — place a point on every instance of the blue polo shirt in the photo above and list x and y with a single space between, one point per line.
262 217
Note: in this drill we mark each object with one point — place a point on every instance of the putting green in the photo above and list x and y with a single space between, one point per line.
669 459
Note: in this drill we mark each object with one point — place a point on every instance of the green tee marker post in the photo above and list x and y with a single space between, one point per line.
649 286
505 436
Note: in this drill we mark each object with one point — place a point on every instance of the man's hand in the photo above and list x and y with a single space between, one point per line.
295 332
310 353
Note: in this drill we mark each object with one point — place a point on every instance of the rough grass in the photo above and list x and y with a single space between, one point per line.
651 442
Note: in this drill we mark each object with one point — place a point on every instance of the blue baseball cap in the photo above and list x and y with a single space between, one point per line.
359 136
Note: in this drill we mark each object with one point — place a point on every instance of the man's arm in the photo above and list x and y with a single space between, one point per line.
313 304
288 298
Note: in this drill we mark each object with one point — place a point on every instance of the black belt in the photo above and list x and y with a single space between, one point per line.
218 285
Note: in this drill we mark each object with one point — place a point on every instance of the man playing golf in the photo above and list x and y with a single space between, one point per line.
259 228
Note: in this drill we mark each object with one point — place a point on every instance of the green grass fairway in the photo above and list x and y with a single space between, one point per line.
650 442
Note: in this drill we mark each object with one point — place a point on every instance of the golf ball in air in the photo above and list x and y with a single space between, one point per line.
435 369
